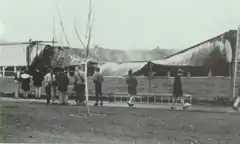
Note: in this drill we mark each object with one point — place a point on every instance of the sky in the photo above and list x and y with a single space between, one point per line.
120 24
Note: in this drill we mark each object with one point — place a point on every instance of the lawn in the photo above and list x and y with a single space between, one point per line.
29 122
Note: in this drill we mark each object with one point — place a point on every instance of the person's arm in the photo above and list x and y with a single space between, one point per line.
94 77
45 79
136 81
127 80
54 78
67 80
83 76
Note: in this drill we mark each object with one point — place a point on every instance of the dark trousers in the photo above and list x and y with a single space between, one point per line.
98 92
48 93
80 92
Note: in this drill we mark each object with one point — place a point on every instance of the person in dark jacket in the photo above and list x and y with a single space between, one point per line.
177 89
25 83
97 80
132 83
62 83
37 82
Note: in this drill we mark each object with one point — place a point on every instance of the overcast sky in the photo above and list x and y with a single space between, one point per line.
121 24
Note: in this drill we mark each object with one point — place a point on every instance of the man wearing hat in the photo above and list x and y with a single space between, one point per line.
177 89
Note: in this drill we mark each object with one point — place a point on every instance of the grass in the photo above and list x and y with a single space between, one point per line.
29 122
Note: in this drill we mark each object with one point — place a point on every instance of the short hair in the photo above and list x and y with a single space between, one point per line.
130 72
97 69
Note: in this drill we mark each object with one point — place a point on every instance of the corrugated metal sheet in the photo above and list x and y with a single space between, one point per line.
201 54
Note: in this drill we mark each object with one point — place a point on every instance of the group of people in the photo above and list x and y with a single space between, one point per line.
132 83
50 81
54 82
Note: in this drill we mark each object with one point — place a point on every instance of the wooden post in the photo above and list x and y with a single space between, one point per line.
236 63
150 77
168 74
210 73
3 70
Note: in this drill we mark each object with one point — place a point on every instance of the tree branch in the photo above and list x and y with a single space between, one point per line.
78 36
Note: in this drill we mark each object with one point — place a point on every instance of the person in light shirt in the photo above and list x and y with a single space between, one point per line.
49 80
17 82
79 77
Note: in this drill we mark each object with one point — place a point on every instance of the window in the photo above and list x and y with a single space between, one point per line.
161 72
9 71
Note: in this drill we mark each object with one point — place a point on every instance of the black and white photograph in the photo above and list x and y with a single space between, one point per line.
120 71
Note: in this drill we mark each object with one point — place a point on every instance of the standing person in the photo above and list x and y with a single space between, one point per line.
49 80
25 83
79 84
54 86
37 82
62 83
17 83
177 89
98 79
132 83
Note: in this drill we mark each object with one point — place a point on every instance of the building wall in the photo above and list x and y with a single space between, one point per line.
199 88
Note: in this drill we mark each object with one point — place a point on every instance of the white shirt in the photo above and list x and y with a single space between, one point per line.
49 78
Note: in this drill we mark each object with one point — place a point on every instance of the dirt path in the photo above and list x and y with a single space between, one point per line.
38 122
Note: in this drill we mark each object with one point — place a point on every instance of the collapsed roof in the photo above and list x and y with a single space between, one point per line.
207 53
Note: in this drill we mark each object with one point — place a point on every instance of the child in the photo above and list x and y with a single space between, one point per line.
132 83
63 82
25 86
37 82
177 89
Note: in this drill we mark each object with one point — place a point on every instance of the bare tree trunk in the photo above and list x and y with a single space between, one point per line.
86 87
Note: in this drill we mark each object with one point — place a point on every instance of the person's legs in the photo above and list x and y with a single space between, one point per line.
130 101
65 98
54 91
61 96
96 94
26 94
40 91
78 92
174 98
82 93
48 93
36 92
17 90
100 94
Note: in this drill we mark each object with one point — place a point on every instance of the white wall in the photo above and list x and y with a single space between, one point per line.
13 55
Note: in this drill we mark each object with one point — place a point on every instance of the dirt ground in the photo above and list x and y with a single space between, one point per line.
32 122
